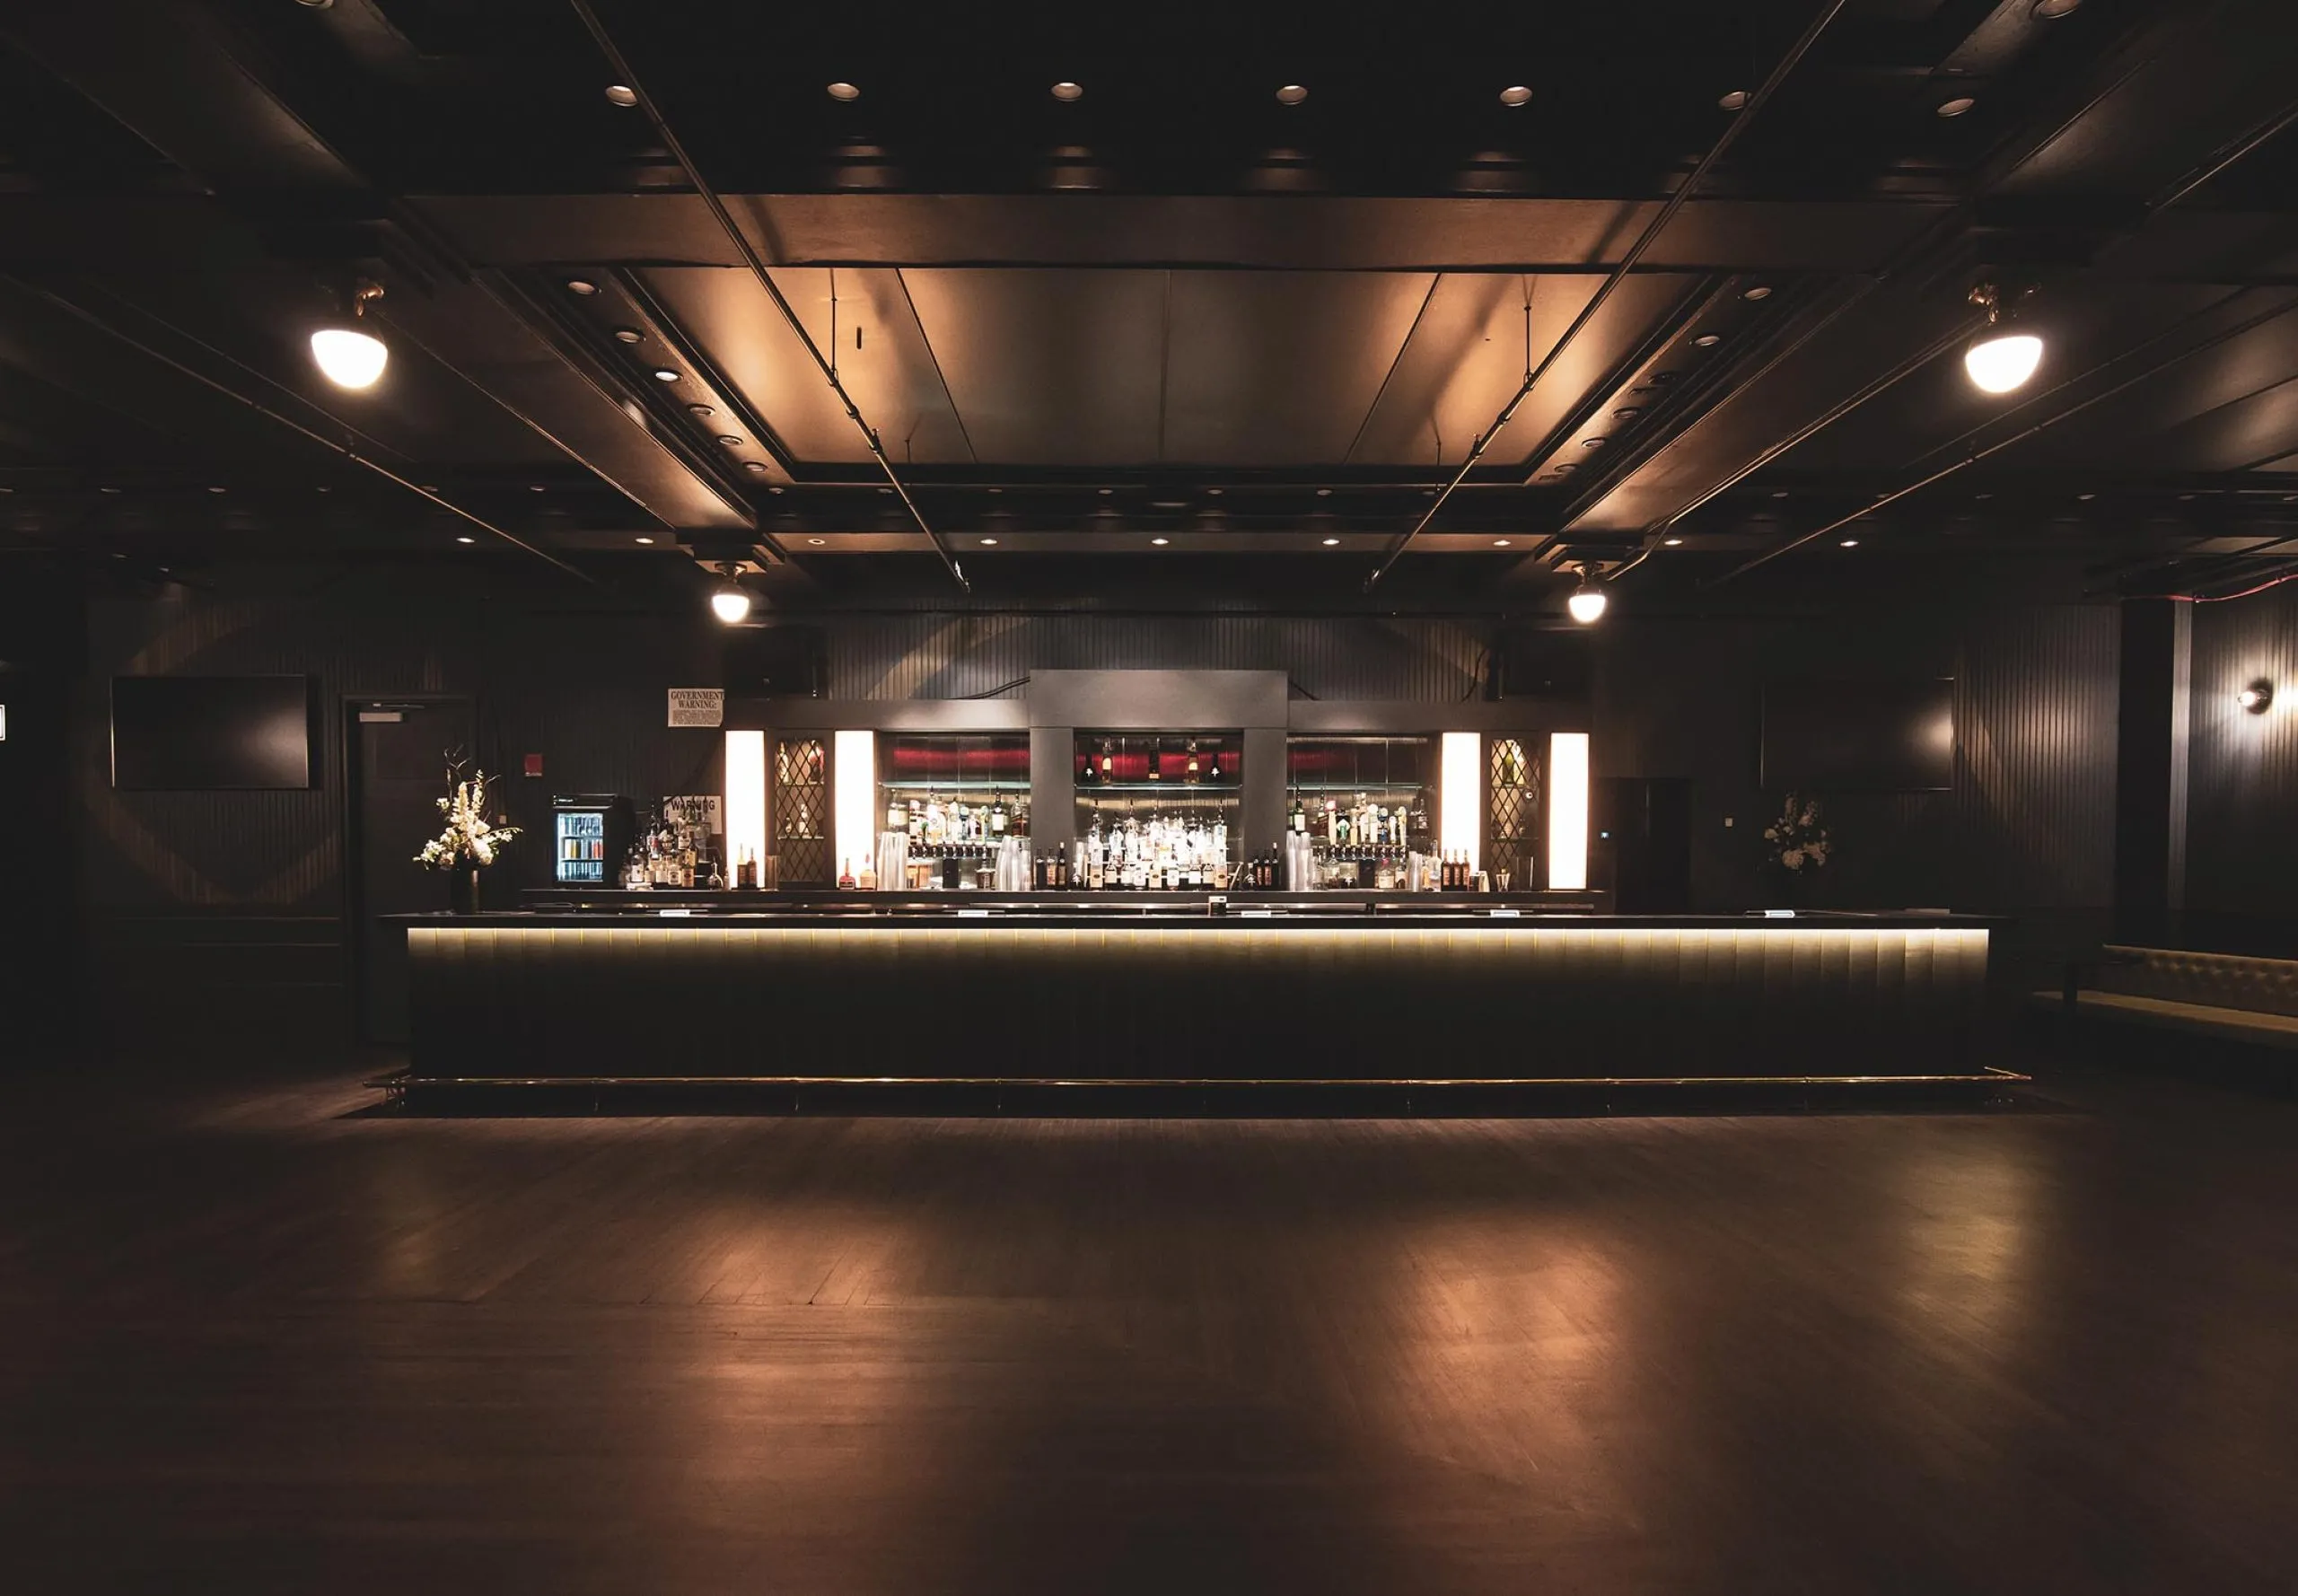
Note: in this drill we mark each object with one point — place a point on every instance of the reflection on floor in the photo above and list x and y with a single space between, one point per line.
249 1340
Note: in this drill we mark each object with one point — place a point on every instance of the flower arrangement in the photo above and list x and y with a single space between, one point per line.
1799 843
469 839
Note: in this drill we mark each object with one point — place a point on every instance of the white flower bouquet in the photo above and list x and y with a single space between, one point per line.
469 838
1799 842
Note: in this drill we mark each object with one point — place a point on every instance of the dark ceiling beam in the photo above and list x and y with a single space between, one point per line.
290 424
2180 349
1828 371
191 90
1155 232
1652 232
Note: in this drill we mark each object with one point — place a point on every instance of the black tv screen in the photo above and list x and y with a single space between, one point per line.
1859 736
188 733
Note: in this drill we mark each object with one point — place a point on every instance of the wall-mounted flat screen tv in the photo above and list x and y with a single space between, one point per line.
1825 736
179 733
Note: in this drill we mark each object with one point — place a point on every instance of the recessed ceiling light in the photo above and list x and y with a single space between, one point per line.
817 542
2085 497
1671 542
219 490
705 411
1737 99
775 489
1067 92
1515 94
2186 498
1500 542
1982 495
885 490
1848 543
1957 106
2052 10
1169 503
108 490
664 373
583 285
1597 442
1707 340
315 5
1760 291
465 539
1107 491
648 541
621 95
1324 492
756 467
627 335
1332 542
996 490
1217 492
1778 493
729 439
1560 467
1292 94
1160 542
1628 412
536 487
989 542
845 91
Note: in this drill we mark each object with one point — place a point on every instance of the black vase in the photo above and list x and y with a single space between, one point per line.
463 889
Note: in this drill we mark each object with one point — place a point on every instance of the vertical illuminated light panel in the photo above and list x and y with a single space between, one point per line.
745 796
1567 811
1462 787
854 797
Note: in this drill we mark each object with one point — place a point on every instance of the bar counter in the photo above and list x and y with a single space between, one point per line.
1329 989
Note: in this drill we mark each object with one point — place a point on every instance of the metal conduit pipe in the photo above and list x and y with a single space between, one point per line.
1618 274
628 78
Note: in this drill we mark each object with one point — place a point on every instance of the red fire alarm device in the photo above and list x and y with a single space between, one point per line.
534 764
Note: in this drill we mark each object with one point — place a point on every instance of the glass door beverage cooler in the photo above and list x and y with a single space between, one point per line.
590 834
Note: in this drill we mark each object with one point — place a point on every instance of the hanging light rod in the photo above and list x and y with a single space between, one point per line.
349 453
1618 274
625 74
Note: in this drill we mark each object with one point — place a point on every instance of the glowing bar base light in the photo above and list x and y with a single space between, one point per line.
1460 789
745 797
854 798
1567 811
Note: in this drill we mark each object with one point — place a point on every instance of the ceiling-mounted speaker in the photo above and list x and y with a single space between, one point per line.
776 662
1541 662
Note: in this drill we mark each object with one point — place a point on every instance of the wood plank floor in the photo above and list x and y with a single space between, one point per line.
251 1342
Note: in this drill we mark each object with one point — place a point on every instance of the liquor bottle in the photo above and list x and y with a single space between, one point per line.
897 815
846 877
1193 774
1300 816
867 880
997 819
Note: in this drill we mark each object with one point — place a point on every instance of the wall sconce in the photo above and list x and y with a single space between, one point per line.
2257 697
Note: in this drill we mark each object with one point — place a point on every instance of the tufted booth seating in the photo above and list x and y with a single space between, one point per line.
2229 997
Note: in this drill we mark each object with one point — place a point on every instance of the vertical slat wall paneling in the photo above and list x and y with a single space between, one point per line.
1494 1003
2242 775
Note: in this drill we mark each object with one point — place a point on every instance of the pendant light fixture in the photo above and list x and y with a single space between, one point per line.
1588 602
347 354
730 603
2004 356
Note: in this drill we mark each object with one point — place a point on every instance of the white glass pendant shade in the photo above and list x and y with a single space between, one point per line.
349 358
1999 362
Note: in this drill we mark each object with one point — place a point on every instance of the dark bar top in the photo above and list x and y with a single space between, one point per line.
750 910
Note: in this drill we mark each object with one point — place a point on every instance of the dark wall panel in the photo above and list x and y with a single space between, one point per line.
2242 778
